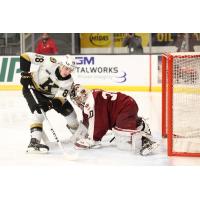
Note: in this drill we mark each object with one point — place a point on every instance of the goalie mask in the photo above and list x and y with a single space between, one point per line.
68 62
79 95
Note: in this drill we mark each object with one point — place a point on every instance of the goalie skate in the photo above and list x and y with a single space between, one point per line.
148 146
87 143
36 147
144 127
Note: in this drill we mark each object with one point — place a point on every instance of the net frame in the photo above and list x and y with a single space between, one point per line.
167 102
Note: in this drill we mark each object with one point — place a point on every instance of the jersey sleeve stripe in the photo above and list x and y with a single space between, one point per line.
26 57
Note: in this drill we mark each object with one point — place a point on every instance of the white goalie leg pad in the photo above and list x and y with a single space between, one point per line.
136 142
128 140
87 143
72 122
81 132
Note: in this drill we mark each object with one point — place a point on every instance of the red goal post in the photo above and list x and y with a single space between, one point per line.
181 103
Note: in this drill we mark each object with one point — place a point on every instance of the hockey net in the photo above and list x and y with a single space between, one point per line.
181 103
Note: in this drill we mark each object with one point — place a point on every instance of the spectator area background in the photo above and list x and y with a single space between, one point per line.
96 43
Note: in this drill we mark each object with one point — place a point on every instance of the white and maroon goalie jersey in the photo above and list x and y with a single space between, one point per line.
106 110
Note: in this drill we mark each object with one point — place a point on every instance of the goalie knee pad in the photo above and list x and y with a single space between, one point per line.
72 121
80 132
128 140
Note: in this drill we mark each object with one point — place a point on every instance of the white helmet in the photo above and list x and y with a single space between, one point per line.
79 95
68 62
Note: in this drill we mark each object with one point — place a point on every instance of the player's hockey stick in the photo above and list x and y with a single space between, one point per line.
45 138
48 122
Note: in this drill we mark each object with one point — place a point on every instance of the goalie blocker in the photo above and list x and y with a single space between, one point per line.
103 111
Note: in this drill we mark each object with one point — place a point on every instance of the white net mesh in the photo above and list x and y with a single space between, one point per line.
186 103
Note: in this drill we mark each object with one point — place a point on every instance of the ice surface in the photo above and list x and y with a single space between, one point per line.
15 136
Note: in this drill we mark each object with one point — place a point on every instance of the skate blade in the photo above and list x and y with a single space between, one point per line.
34 151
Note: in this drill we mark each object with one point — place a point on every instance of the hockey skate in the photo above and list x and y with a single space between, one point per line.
87 143
36 147
148 146
143 126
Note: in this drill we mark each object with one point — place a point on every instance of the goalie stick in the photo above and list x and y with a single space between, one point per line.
50 126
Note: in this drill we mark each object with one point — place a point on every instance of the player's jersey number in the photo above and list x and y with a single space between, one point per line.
65 93
39 59
106 95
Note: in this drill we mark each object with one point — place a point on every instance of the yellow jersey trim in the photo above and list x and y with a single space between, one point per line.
26 57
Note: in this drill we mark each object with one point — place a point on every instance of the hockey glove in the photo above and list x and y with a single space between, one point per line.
26 79
57 105
42 105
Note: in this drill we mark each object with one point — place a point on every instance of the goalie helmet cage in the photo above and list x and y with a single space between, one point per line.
181 103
